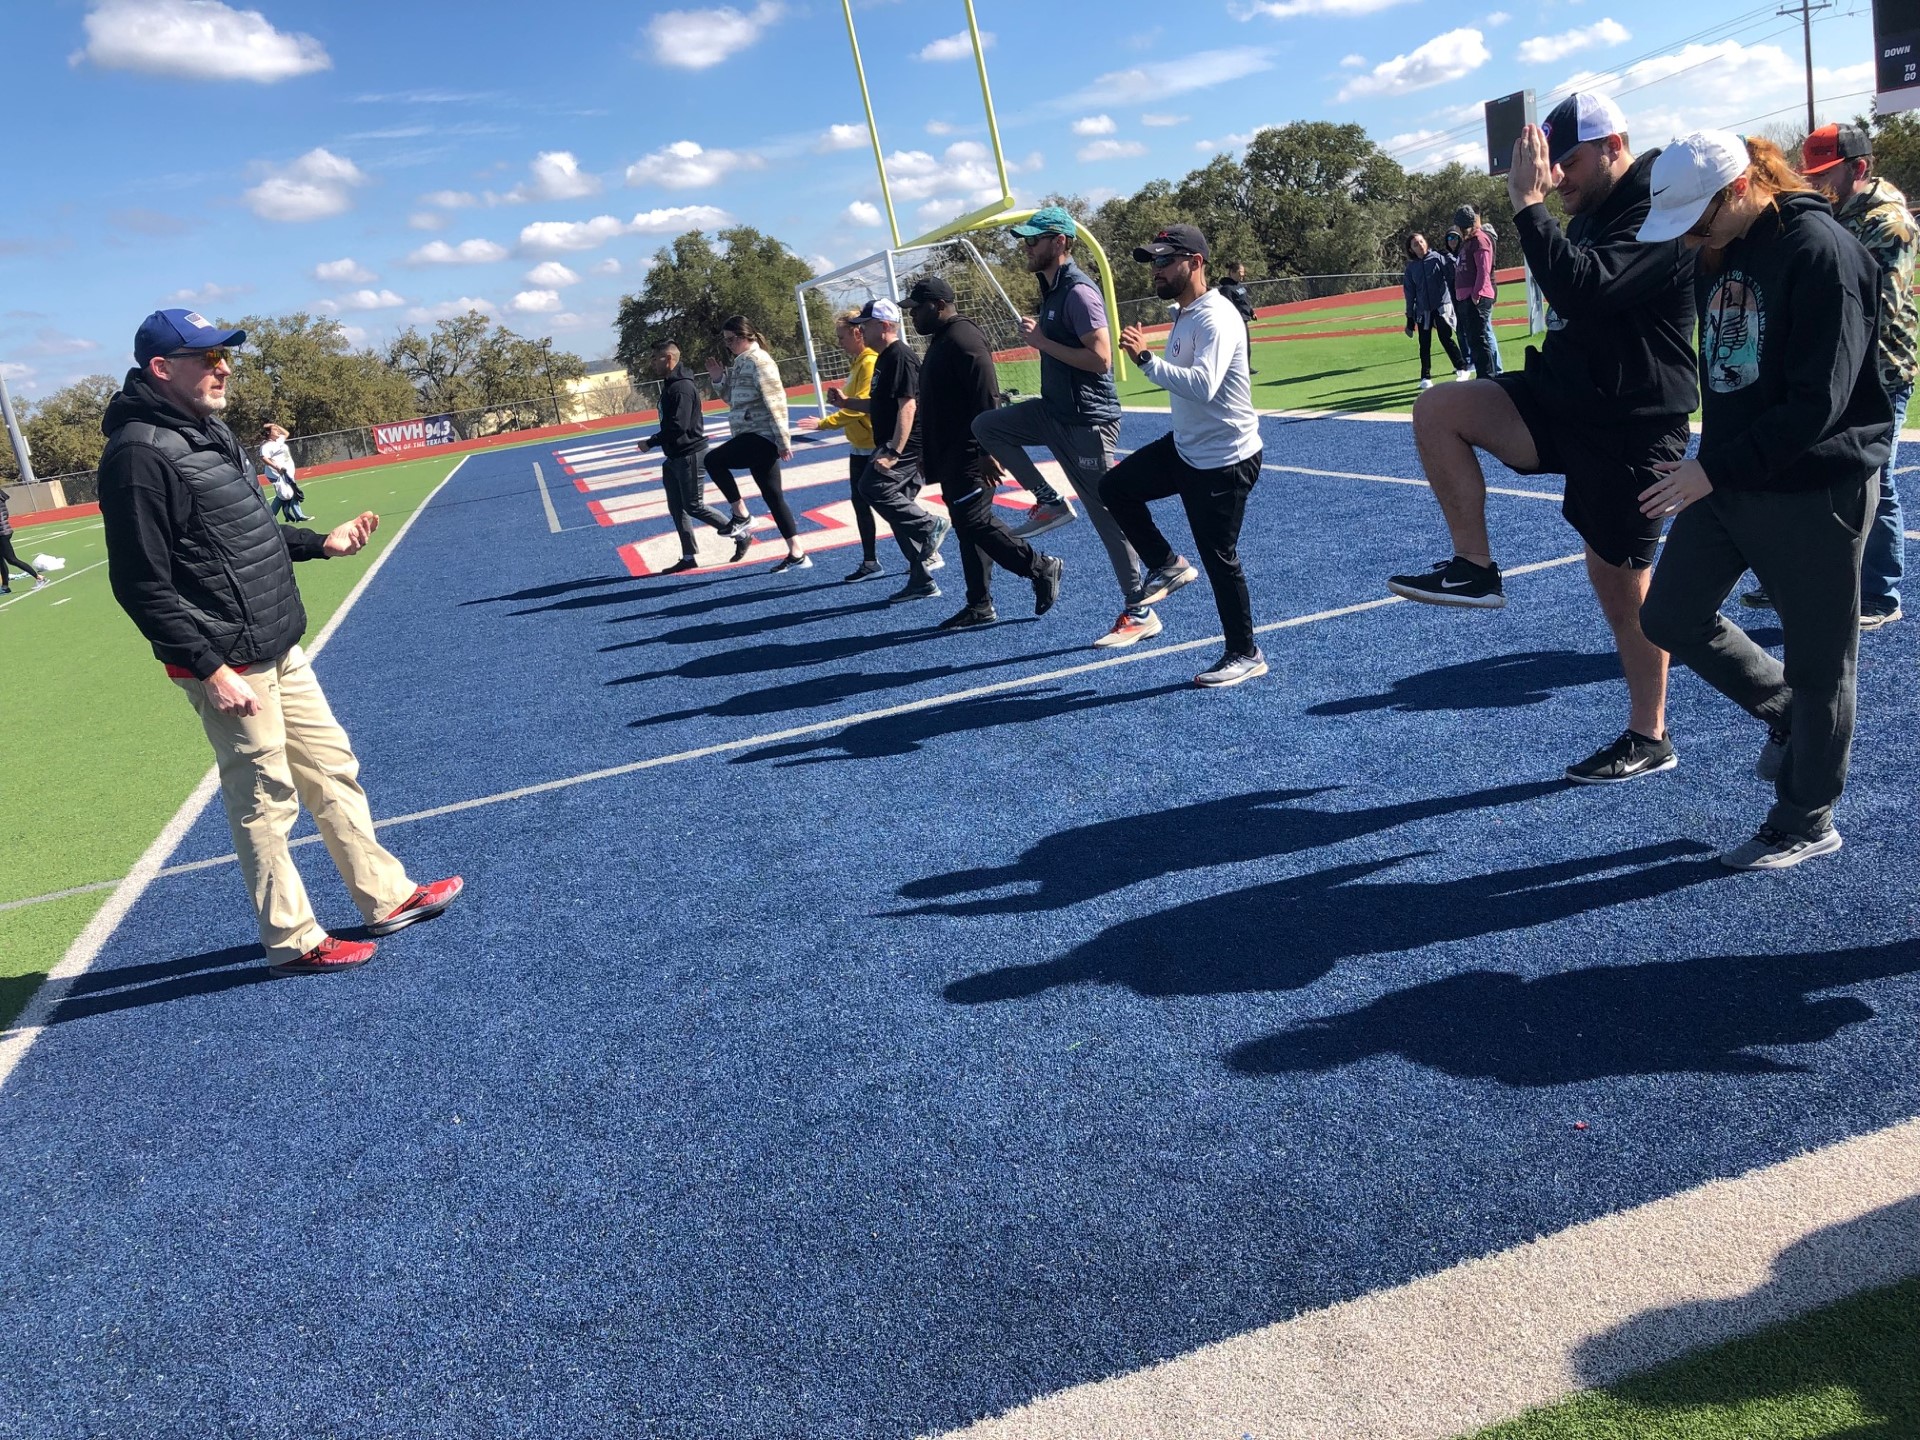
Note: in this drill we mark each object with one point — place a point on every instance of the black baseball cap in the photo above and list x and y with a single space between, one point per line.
930 287
1174 240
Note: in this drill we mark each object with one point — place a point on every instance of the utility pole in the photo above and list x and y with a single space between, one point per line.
14 433
1805 11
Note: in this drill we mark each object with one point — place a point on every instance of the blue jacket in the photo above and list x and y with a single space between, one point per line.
1429 290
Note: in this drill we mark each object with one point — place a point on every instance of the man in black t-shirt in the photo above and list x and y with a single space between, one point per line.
1233 285
892 477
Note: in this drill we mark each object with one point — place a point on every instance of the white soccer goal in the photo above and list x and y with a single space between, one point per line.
978 295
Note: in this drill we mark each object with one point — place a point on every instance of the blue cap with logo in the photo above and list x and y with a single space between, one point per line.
167 331
1050 220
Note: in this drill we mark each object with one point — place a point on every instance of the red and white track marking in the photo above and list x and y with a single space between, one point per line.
834 522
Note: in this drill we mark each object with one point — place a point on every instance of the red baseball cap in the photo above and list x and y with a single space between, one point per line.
1830 145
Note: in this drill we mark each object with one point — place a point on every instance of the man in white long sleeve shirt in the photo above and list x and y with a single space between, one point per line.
1212 457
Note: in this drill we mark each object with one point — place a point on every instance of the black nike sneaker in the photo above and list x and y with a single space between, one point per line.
1453 582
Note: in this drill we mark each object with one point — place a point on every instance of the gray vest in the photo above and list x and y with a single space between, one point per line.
230 562
1075 397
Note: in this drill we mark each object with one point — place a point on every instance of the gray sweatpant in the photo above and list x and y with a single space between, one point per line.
1085 452
1804 547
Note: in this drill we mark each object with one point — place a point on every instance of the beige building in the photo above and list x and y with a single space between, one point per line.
605 390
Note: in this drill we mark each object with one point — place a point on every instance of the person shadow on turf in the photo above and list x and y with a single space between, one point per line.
1707 1015
1498 682
1289 933
1088 861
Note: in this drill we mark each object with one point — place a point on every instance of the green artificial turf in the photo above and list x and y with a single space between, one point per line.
1850 1370
100 749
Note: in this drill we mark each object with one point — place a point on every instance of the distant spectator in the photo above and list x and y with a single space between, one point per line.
1473 289
8 556
281 475
1430 307
1233 285
1450 252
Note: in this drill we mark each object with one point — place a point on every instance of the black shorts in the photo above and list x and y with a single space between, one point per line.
1606 468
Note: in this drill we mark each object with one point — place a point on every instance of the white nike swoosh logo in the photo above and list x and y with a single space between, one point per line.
1455 584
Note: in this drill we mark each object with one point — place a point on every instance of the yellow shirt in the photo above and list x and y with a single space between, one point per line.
859 385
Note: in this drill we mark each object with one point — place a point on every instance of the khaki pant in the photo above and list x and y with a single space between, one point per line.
293 752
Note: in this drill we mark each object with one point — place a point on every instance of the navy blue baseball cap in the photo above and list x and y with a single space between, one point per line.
167 331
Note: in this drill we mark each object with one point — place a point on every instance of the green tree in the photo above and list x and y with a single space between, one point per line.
1432 199
300 371
1129 220
1896 151
1217 197
696 284
468 363
1323 199
63 429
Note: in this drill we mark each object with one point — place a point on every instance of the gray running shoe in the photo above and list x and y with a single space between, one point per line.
865 570
1232 670
1773 849
942 527
1168 578
1773 756
1044 517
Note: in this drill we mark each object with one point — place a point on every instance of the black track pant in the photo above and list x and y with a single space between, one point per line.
686 502
1216 502
1446 343
983 534
10 556
862 507
757 454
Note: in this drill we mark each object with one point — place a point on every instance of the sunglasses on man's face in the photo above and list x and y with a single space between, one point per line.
1162 262
213 359
1032 240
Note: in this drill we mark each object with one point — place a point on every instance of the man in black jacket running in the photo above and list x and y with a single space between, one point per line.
195 559
683 441
1603 400
957 383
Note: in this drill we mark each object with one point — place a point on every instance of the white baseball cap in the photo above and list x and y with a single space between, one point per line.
1686 176
1586 115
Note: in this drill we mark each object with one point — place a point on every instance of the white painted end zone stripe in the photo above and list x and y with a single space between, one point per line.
1468 1347
554 526
19 1038
1403 480
820 727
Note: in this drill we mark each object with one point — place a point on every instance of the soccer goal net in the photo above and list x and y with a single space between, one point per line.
979 294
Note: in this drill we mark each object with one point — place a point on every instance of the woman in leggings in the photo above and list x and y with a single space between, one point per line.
756 404
9 556
855 419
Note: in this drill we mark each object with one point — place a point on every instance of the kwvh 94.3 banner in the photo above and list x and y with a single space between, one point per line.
413 434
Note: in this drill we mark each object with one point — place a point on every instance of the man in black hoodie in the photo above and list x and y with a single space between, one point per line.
682 439
195 559
1602 400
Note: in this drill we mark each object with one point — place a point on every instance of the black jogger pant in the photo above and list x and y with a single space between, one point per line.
10 556
983 535
1446 343
891 491
684 482
759 455
1216 503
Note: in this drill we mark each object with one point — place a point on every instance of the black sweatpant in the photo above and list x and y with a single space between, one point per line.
1216 503
1446 343
759 455
983 534
682 479
9 556
892 491
862 507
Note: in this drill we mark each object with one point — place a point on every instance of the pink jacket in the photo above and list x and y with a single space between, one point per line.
1473 279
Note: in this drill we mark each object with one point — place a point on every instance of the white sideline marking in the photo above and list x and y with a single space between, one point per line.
1404 480
61 580
1452 1352
726 747
554 527
17 1039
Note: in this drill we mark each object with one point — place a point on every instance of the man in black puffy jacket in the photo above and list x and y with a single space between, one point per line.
198 563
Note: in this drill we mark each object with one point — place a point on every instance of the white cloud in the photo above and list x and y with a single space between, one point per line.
552 237
1495 20
21 377
354 334
700 39
350 272
450 199
954 47
552 275
1545 49
1721 85
426 220
315 186
196 40
207 295
1288 9
841 137
1109 150
1229 141
1161 122
965 165
1443 58
1353 62
939 211
1424 151
609 266
820 264
1094 125
48 341
939 127
556 176
535 302
450 309
685 165
370 300
1163 79
467 252
863 212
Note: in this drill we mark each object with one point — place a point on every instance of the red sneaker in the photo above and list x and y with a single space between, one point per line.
426 902
329 956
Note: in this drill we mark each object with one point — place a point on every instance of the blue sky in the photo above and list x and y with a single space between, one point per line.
392 163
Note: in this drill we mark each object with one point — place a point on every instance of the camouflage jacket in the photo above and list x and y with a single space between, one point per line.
1879 219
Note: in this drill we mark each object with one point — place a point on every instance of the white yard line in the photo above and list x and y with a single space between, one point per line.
18 1038
554 526
63 578
1452 1352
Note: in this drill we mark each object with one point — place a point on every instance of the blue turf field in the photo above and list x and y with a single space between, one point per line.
869 1080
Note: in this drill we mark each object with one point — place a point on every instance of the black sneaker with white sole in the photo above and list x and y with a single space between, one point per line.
914 590
970 617
1453 582
1048 572
1627 758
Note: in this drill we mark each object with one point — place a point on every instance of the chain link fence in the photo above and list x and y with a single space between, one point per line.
1282 290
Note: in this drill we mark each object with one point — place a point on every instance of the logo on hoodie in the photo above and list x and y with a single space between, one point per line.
1731 331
